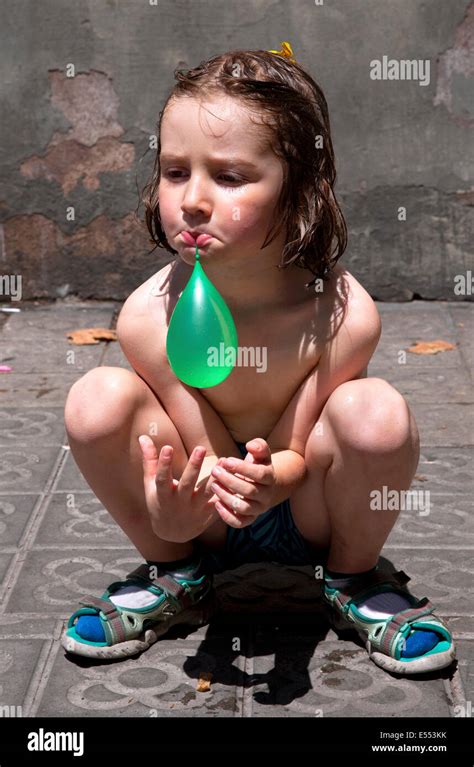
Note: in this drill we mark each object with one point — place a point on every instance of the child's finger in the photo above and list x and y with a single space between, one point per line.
156 468
149 455
232 519
192 469
255 471
259 449
234 483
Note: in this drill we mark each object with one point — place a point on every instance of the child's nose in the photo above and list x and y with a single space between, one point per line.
197 196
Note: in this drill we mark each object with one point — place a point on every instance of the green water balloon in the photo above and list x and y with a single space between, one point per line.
201 343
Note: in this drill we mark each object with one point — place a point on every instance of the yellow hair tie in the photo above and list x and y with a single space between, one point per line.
286 52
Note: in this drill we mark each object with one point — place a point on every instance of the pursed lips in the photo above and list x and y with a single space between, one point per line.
200 238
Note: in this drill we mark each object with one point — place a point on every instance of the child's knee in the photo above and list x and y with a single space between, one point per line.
100 402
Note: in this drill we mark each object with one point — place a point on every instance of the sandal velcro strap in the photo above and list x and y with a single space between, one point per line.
423 608
110 613
366 583
172 588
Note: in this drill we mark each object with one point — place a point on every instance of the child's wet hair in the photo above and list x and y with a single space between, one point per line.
293 111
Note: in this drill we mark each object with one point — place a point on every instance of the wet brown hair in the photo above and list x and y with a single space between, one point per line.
293 110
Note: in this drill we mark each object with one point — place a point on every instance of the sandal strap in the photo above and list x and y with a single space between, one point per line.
366 583
172 588
110 613
424 608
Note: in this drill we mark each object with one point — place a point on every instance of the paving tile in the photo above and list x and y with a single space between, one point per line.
15 512
5 563
52 581
49 320
262 589
444 425
44 390
462 626
392 352
425 376
465 656
26 467
14 626
306 677
35 341
409 319
434 521
463 318
19 660
438 509
444 576
27 356
451 386
32 426
160 683
78 520
446 470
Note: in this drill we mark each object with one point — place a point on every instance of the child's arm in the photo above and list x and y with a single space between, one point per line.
290 471
345 358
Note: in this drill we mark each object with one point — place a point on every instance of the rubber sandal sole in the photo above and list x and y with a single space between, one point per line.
197 615
421 665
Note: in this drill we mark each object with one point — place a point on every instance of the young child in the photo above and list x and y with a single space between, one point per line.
270 465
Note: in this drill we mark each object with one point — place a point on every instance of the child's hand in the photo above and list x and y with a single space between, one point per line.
179 510
252 478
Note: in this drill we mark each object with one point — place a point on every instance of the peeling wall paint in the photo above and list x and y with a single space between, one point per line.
70 163
456 65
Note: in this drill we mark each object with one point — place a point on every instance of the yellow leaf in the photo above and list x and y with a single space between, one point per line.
431 347
204 684
84 336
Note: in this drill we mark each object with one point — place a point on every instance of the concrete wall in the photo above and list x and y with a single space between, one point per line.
81 142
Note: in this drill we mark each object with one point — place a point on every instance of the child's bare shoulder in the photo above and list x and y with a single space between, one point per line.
350 301
141 325
137 301
350 325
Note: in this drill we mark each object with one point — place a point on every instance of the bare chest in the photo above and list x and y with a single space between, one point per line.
276 352
274 357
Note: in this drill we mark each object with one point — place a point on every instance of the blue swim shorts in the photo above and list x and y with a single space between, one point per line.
273 537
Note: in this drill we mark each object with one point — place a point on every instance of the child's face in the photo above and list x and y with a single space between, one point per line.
204 186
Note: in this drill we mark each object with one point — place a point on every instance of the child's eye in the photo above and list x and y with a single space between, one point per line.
233 179
228 177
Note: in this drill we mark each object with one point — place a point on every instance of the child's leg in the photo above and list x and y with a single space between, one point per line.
106 410
366 440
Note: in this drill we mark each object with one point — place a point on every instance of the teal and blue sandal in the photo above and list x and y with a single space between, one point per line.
385 639
130 631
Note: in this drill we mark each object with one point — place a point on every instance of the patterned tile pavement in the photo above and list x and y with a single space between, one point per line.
269 647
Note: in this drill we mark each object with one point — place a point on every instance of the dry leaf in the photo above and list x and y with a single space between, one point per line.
85 336
420 478
431 347
204 684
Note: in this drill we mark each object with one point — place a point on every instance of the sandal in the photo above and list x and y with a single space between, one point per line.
385 638
130 631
